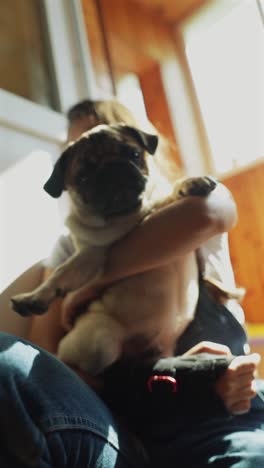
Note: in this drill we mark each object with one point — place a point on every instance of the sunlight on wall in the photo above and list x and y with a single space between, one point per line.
227 63
29 218
130 94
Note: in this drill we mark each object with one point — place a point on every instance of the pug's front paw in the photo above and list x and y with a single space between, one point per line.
197 186
28 304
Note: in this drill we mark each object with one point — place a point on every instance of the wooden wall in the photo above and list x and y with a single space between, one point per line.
173 11
99 52
247 238
157 106
139 28
24 65
124 38
128 38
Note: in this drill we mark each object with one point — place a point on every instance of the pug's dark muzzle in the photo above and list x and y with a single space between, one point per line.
117 188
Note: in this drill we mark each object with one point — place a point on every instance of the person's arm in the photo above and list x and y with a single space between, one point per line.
166 235
171 233
10 322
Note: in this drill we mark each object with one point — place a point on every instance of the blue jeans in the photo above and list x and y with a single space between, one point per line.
220 442
50 418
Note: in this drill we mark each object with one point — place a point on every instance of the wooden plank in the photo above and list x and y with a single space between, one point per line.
247 239
158 110
139 40
172 11
98 49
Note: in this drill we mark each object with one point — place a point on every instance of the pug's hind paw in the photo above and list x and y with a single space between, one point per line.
25 305
197 186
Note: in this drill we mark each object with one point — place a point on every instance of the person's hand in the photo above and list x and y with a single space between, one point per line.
74 304
208 347
236 387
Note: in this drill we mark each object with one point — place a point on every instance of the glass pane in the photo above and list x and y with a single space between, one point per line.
30 219
227 64
128 91
25 68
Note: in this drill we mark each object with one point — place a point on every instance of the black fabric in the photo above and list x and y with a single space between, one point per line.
128 391
212 322
126 382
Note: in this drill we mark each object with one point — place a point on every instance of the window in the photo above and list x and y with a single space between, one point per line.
30 219
34 34
25 68
225 50
128 91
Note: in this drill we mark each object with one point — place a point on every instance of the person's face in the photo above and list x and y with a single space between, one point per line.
81 125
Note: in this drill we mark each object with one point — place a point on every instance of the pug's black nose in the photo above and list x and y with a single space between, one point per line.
120 175
117 188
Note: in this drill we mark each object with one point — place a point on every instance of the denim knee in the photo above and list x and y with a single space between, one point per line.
42 401
244 449
226 442
82 449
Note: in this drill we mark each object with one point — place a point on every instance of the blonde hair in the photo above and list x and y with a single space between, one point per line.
112 111
105 112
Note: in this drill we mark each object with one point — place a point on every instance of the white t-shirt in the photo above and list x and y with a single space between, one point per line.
218 268
62 250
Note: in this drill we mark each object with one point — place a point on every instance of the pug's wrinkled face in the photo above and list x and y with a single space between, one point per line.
105 170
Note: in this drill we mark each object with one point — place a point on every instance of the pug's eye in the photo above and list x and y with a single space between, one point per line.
136 155
82 179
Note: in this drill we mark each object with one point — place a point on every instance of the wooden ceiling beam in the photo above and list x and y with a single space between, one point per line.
172 11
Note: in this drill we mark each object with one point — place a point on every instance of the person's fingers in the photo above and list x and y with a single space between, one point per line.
236 387
244 380
234 382
208 347
71 308
74 299
240 407
67 311
236 378
74 303
243 363
240 401
241 393
70 301
237 400
82 295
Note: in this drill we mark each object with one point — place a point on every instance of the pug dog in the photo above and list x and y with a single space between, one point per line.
113 183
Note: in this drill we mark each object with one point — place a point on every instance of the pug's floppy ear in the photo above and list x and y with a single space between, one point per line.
147 140
55 184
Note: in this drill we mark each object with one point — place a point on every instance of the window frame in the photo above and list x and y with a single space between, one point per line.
199 159
70 53
25 126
